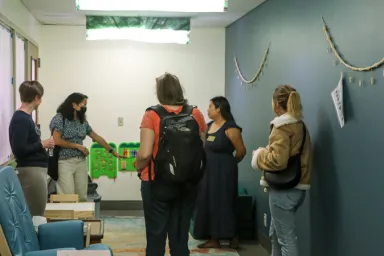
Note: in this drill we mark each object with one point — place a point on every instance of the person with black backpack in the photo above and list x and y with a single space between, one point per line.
170 163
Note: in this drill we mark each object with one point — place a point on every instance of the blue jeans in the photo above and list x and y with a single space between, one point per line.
283 206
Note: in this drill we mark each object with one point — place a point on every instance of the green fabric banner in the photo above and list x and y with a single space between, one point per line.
151 23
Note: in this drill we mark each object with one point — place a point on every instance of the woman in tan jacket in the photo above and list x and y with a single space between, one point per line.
285 141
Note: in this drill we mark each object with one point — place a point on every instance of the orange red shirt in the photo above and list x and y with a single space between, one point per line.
152 121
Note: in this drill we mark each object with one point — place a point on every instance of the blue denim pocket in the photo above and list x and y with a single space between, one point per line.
296 195
289 200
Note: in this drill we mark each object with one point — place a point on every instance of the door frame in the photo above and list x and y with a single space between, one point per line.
32 56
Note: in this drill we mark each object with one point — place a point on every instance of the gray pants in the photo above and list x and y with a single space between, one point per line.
283 206
73 177
33 181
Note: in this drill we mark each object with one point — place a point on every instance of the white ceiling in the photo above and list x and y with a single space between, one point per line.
63 12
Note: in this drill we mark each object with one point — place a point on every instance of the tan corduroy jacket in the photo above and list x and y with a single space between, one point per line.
285 141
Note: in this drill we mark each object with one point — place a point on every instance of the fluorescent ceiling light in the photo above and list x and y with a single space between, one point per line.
143 29
140 35
153 5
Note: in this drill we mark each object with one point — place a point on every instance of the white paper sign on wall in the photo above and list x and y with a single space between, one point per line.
337 98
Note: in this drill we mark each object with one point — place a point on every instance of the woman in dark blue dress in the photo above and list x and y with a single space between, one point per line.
215 211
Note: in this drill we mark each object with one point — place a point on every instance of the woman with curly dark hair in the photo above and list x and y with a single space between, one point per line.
70 128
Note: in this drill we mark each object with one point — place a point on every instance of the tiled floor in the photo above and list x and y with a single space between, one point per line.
247 248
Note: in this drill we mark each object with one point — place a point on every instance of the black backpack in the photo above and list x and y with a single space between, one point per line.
180 158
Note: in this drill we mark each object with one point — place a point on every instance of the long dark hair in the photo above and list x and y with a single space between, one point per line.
66 108
225 108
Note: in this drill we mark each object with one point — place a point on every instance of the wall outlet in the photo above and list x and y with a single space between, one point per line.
265 220
120 121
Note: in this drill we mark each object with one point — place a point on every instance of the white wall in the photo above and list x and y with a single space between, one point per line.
16 12
119 78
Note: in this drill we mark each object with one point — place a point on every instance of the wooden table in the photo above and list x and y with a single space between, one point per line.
70 211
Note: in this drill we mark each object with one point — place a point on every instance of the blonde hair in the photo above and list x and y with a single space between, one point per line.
287 98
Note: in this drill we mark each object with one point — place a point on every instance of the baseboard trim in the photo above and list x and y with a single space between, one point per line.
265 242
121 205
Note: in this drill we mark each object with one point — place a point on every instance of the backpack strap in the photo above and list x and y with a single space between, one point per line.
159 110
188 109
162 112
304 137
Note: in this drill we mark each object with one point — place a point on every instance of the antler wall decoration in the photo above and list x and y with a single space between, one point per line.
341 60
338 55
258 73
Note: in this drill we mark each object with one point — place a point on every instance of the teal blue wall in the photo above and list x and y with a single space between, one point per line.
344 212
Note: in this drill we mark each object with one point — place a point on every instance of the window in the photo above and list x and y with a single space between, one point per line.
7 92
